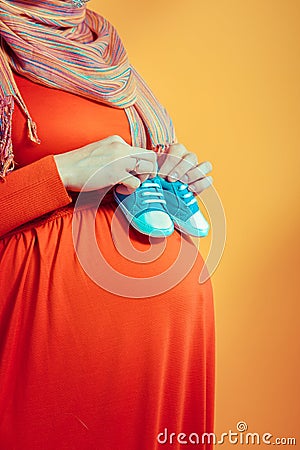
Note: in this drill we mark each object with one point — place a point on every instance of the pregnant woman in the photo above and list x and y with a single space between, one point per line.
84 366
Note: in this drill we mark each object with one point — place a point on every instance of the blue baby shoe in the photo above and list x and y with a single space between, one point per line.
145 209
183 208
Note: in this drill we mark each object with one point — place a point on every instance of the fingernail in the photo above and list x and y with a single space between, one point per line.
173 176
185 178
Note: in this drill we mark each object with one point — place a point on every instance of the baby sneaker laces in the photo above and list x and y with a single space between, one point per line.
183 208
145 208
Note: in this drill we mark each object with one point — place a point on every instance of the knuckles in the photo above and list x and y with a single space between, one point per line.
116 149
116 138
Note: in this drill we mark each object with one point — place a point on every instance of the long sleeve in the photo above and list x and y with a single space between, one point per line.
30 192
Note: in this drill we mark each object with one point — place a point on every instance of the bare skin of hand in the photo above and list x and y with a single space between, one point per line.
180 164
112 161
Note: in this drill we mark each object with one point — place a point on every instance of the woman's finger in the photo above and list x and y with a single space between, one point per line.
197 173
198 186
143 167
142 153
131 182
174 155
142 162
188 162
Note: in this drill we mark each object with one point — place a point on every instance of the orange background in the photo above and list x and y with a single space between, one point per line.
229 74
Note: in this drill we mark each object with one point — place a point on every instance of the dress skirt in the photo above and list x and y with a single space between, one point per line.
87 369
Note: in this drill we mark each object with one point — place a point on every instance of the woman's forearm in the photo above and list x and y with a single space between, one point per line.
30 192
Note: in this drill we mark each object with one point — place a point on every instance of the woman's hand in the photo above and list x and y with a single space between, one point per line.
180 164
116 159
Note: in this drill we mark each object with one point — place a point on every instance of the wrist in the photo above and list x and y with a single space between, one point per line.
61 168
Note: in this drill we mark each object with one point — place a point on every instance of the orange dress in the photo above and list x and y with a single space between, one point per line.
84 367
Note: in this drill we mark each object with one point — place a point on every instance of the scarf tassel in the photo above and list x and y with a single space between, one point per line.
7 162
32 131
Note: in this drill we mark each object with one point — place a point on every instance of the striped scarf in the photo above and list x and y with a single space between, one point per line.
77 50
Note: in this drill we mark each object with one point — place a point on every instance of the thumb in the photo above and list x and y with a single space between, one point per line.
128 185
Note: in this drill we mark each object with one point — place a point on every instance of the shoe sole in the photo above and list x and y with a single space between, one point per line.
190 232
180 225
141 226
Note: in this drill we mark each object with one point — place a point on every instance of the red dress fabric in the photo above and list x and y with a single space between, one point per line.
83 367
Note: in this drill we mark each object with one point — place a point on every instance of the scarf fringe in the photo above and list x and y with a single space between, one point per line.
7 162
161 148
32 131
